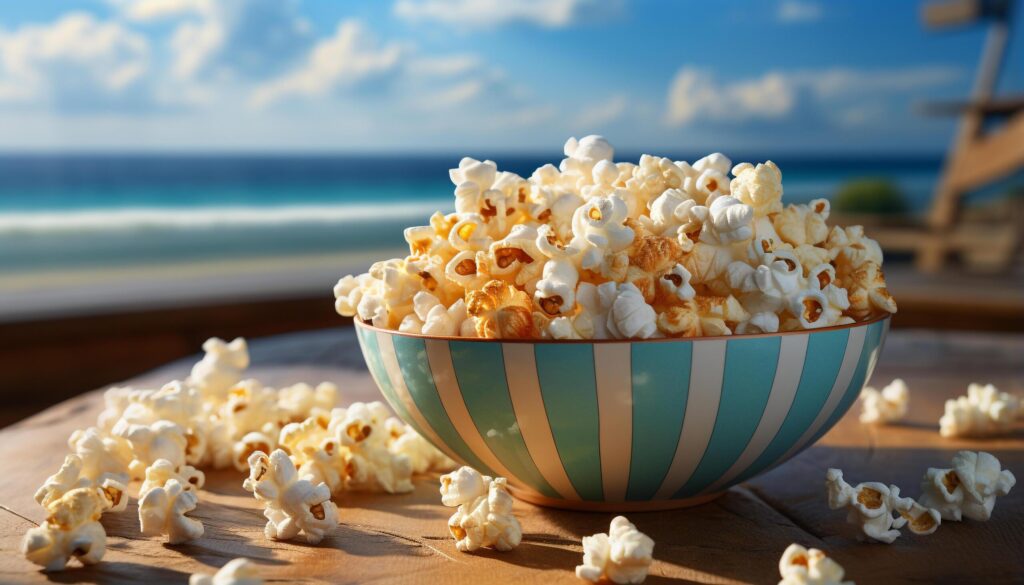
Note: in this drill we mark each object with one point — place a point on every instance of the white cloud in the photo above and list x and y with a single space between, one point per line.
495 13
153 10
695 94
798 11
349 57
443 66
249 38
597 115
73 63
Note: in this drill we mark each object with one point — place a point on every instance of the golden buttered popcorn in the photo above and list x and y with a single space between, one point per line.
632 231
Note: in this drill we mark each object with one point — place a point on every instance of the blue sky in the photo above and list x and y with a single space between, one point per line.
458 75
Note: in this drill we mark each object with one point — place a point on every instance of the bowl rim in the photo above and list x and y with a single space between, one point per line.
871 321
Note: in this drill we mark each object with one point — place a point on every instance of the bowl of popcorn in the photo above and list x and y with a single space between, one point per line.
620 336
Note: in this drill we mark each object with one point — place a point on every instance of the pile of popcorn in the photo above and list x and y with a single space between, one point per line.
596 249
967 489
297 447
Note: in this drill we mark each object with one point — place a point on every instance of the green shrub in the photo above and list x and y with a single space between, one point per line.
870 195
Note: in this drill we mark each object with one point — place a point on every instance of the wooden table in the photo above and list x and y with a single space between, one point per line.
737 538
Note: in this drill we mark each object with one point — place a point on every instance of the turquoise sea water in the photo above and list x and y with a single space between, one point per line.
78 211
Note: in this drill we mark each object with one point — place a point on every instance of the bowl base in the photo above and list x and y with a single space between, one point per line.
584 506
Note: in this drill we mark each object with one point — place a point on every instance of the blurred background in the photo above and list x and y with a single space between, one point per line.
176 169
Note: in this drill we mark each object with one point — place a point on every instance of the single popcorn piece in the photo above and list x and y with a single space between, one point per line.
623 555
969 489
291 504
802 566
871 505
983 412
484 516
221 367
804 223
759 186
630 316
69 477
162 510
886 406
239 571
71 530
500 310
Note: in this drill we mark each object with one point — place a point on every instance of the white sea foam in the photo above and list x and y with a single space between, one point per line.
180 218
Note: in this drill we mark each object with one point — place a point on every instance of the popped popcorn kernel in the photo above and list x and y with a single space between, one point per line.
623 555
803 566
71 530
162 510
292 505
484 516
240 571
983 412
872 505
887 405
969 489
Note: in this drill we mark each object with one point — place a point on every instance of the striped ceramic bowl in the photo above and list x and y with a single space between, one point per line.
624 425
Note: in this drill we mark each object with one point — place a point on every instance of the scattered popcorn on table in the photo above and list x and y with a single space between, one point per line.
623 555
885 406
872 505
969 489
803 566
237 572
595 249
71 529
983 412
291 504
162 511
217 419
484 516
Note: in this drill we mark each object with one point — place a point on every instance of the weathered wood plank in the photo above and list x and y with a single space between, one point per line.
736 539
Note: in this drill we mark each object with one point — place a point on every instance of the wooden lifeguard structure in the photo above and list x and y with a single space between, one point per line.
988 147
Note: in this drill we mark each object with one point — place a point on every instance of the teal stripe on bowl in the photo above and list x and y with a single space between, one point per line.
371 351
412 359
480 370
868 357
569 388
661 381
749 375
824 357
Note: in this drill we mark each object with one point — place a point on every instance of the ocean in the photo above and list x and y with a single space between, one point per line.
60 212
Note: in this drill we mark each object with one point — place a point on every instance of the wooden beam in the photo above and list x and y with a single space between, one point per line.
1006 106
950 13
990 157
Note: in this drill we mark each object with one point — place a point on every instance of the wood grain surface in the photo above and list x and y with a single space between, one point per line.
403 539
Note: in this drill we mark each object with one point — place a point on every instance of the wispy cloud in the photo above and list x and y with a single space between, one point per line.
350 57
798 11
495 13
74 63
695 94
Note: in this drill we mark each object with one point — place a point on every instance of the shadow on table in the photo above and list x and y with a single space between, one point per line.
118 572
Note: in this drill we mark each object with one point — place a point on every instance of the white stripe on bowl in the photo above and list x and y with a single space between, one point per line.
385 344
707 370
440 358
854 347
532 417
792 352
613 373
